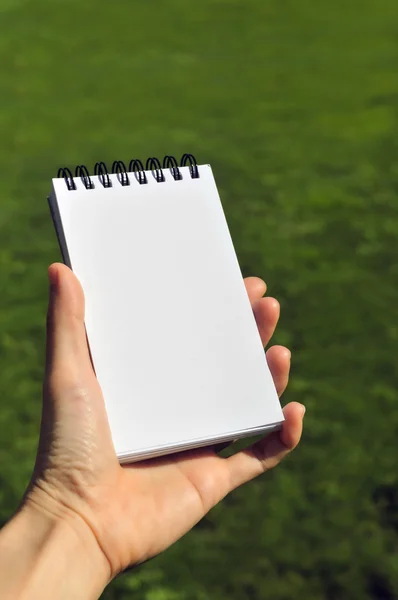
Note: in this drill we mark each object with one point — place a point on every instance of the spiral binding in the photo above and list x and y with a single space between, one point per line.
153 164
101 171
119 168
82 172
67 175
135 166
169 162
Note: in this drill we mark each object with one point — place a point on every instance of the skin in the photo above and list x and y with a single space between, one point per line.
84 518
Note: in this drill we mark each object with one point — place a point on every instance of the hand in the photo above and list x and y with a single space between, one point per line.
132 512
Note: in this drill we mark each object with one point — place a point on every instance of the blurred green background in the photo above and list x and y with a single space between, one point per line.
295 105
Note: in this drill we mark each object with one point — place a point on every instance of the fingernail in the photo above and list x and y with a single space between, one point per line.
303 409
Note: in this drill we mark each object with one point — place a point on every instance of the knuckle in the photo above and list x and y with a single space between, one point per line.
64 378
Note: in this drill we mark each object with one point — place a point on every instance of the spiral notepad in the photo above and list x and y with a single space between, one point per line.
171 331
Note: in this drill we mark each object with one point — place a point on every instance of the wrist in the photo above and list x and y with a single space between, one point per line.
46 556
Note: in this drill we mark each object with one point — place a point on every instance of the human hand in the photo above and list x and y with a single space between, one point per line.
133 512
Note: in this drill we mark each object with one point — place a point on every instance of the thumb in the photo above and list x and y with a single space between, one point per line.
67 350
74 421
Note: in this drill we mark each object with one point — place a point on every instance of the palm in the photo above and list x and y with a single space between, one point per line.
138 510
173 493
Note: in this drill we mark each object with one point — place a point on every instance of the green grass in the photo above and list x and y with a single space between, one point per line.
295 105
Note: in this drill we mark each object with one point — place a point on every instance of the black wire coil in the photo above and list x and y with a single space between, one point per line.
101 171
136 167
119 168
82 172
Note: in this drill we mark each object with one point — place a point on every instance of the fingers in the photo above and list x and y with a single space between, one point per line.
67 350
278 359
266 312
268 452
290 434
255 288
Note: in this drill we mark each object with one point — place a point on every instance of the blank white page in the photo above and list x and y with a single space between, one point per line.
171 331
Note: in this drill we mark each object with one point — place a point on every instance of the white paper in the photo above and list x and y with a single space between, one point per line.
172 335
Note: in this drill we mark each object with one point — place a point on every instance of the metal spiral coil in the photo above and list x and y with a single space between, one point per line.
119 168
169 162
101 170
67 175
153 164
82 172
136 167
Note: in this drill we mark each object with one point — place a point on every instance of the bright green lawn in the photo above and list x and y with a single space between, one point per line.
295 105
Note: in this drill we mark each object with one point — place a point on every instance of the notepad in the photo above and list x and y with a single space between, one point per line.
171 331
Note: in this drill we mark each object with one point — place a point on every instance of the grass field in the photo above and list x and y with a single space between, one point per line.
295 105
